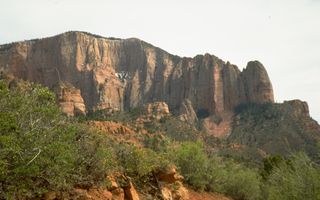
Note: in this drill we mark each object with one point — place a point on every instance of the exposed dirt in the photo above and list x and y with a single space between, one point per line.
206 196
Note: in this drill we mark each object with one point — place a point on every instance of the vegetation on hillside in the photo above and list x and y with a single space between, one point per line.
273 128
42 150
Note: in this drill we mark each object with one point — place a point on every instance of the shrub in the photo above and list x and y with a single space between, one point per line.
297 179
95 157
157 142
215 173
40 149
139 163
233 179
192 162
269 164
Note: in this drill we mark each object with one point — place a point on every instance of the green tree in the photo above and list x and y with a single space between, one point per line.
297 179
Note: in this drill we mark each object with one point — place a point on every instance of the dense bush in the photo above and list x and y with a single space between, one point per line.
233 179
139 163
157 142
299 178
269 164
42 150
95 157
215 173
192 162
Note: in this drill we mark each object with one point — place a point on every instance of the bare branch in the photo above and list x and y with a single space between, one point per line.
34 157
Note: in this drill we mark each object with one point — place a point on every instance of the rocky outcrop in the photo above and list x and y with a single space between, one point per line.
125 190
299 110
130 192
257 83
170 184
296 108
122 74
187 113
70 100
168 174
279 129
176 192
156 110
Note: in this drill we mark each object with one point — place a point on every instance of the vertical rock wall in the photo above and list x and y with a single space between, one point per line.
122 74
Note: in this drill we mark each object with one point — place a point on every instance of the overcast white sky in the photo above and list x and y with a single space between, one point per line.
283 34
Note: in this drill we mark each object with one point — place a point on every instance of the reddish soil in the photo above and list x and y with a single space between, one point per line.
206 196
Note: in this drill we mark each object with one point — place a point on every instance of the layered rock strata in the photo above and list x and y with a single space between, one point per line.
116 74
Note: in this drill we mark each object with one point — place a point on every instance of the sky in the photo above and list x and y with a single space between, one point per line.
284 35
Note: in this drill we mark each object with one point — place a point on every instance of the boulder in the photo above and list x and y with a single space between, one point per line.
168 174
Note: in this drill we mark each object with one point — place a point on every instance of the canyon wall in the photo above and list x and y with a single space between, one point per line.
118 74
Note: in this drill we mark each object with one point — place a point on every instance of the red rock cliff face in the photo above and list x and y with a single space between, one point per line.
121 74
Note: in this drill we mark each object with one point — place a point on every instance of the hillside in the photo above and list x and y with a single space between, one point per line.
121 119
89 73
134 155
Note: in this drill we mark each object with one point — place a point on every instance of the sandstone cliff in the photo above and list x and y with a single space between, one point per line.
116 74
